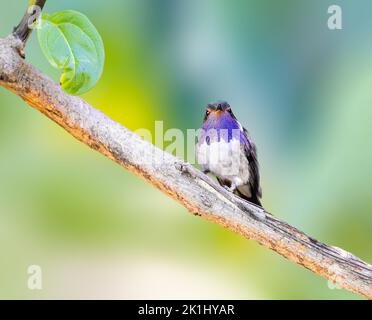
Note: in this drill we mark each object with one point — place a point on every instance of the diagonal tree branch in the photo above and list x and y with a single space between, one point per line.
181 181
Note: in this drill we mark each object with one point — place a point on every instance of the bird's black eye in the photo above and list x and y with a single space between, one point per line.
207 112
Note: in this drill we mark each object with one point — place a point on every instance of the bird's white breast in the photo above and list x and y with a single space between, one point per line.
226 160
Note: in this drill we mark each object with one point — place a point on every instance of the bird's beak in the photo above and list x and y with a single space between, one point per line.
218 112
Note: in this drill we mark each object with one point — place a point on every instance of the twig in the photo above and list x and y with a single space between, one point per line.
22 31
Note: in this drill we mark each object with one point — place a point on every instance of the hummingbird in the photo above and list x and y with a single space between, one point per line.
225 150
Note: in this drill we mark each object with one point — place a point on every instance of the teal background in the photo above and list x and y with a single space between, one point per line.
303 92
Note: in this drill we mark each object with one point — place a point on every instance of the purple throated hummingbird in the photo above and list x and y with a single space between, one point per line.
225 150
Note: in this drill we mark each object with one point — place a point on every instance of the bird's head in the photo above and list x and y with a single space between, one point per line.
218 112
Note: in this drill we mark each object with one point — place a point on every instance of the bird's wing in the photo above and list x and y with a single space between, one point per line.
254 173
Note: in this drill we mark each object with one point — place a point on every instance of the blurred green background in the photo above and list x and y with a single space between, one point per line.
303 92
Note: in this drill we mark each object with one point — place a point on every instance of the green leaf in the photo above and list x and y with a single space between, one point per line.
72 44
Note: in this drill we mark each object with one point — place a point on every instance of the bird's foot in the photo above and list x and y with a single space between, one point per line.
232 188
206 171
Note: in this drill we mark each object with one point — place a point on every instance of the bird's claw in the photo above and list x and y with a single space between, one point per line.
232 188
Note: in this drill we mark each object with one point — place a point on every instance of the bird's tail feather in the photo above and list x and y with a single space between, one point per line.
254 198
